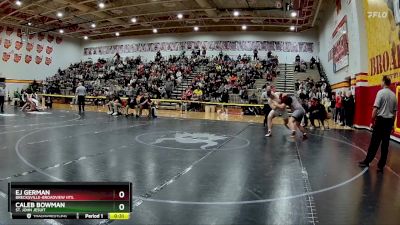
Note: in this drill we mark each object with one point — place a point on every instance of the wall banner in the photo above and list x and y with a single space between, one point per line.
383 27
275 46
340 48
382 20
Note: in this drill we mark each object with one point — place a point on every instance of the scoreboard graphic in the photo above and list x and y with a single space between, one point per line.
70 200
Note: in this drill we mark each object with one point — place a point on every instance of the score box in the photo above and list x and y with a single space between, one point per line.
68 198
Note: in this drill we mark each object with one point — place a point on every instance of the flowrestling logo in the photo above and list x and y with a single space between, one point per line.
377 15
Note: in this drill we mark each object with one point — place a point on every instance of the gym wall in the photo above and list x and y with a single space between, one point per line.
37 57
373 30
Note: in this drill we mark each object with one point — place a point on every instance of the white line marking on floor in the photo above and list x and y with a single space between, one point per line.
359 148
15 131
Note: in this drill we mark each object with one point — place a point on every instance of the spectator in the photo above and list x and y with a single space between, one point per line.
169 86
225 96
114 106
338 108
317 112
132 104
297 63
144 103
204 52
253 99
269 54
255 54
349 106
221 55
2 97
313 61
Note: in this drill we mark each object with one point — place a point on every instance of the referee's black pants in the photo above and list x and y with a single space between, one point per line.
266 110
81 103
380 136
2 104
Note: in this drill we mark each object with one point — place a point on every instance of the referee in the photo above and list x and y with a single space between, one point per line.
2 96
264 98
383 117
81 93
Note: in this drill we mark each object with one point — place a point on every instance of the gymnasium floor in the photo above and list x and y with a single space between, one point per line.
191 171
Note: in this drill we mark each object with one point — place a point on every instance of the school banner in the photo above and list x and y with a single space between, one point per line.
382 20
340 46
275 46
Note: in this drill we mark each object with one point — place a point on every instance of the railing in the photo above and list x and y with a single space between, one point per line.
284 87
70 97
323 74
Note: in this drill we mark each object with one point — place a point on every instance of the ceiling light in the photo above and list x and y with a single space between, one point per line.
60 14
180 16
93 25
293 14
101 5
61 31
155 30
29 24
85 37
196 28
292 28
117 34
236 13
133 20
244 27
18 3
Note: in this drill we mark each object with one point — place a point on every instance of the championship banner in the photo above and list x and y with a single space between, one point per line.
382 20
340 46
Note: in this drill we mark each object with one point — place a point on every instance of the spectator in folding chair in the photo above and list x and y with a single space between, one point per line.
153 113
317 112
114 106
145 103
16 99
132 104
48 102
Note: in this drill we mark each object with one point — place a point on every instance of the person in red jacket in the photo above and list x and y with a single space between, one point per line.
338 107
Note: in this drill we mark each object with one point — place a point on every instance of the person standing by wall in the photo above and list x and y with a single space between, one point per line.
80 95
383 117
349 105
2 96
338 107
297 63
169 86
255 54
